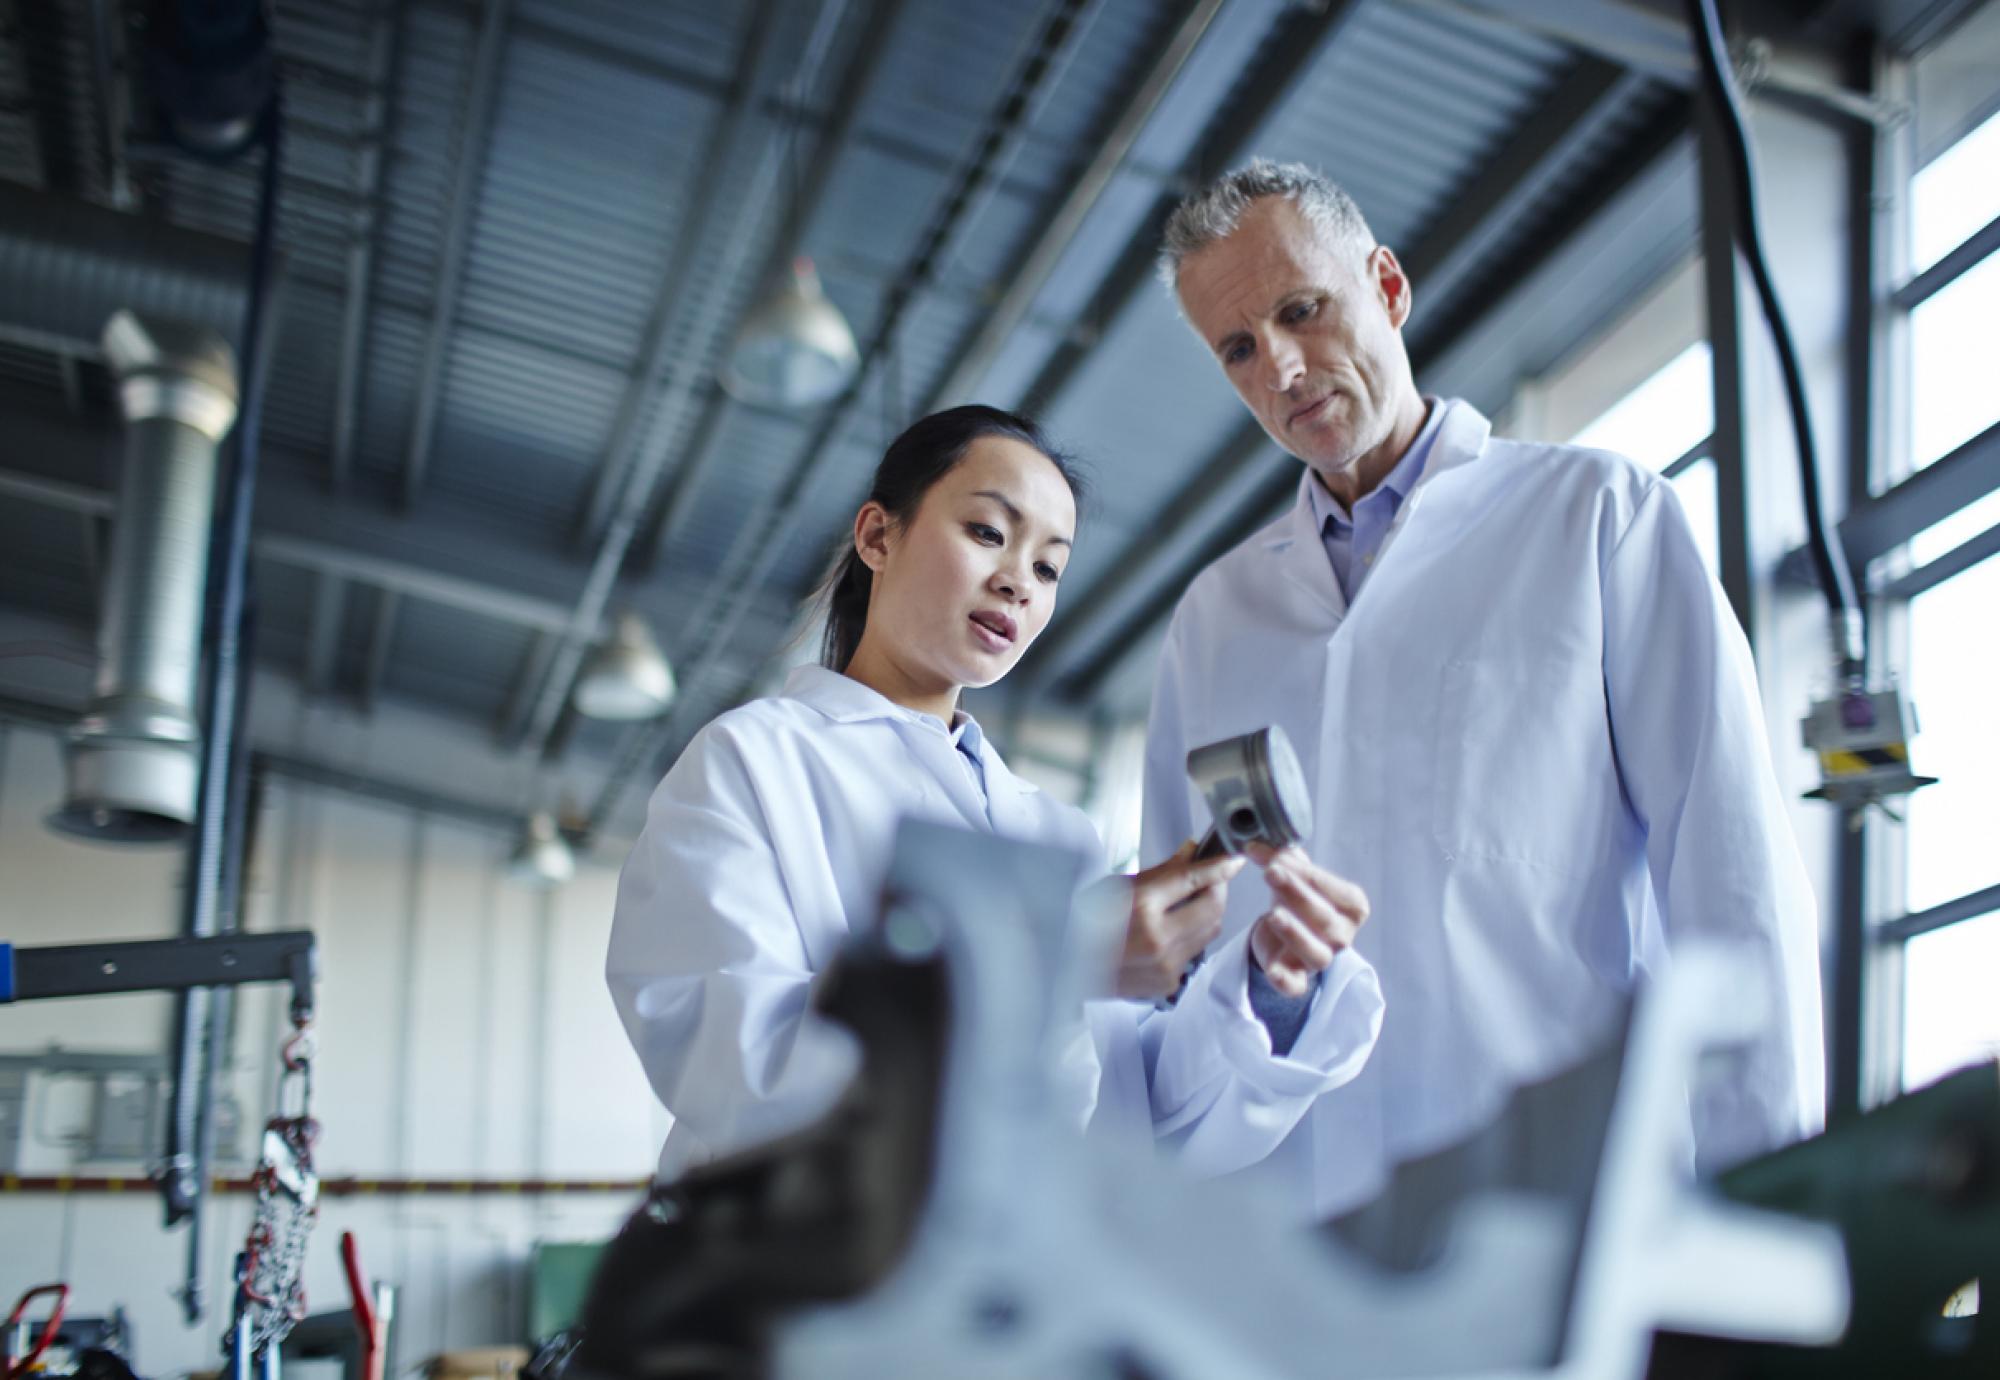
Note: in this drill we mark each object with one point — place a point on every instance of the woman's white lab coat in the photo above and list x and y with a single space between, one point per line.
770 838
1536 741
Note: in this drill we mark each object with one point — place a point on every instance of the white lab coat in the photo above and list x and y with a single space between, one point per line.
1535 740
771 837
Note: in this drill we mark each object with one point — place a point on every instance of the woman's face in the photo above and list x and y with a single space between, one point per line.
963 587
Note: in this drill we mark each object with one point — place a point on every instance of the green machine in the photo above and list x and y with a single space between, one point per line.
559 1274
1914 1188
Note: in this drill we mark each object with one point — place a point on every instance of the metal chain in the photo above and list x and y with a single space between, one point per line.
270 1272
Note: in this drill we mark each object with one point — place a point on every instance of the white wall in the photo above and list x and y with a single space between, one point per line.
464 1033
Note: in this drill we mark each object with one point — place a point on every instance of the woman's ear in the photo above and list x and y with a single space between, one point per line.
871 535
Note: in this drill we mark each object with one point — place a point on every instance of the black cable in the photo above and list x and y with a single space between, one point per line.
1829 556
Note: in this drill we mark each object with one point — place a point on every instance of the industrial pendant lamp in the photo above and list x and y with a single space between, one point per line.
794 349
542 858
627 677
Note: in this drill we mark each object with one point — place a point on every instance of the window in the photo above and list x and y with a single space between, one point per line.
1664 420
1644 389
1950 1014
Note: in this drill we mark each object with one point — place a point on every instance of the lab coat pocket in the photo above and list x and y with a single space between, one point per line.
1524 769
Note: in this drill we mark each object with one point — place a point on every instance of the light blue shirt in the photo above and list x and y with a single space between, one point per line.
1354 541
971 744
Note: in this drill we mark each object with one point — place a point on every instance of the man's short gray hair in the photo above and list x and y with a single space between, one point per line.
1210 215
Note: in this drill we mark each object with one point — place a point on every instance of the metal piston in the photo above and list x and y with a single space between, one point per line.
1255 789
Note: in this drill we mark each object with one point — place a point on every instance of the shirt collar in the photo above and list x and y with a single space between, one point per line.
1399 481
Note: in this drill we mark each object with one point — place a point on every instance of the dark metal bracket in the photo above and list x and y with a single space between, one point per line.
162 965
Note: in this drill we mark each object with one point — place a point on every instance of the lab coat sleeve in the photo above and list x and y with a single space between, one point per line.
1218 1095
707 966
1688 728
1220 1098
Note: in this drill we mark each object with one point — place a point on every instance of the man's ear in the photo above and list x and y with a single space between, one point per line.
1392 285
872 527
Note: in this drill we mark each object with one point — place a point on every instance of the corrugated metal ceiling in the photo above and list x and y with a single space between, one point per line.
597 160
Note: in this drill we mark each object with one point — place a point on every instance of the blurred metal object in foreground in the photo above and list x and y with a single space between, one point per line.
1914 1187
946 1219
1254 791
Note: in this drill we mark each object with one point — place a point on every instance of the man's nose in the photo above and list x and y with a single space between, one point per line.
1284 365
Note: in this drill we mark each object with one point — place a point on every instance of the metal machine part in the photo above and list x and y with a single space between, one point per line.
947 1219
1255 792
1040 1254
132 758
1914 1187
1862 739
698 1280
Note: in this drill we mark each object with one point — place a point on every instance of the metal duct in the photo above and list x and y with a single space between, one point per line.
66 266
132 759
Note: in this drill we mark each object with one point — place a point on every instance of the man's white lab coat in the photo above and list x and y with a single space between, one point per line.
1535 740
769 840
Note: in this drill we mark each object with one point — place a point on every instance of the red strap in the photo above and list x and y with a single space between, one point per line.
20 1366
365 1320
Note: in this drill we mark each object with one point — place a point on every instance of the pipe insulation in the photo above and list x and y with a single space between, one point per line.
66 266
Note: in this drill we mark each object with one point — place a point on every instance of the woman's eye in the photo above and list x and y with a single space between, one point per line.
981 532
1236 354
1048 572
1299 311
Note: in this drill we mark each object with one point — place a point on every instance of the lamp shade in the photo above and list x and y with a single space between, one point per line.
627 677
542 858
794 349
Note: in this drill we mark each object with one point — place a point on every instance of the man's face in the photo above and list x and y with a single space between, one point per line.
1309 335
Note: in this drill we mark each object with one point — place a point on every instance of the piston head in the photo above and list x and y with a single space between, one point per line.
1255 789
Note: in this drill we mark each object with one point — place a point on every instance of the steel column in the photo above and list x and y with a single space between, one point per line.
1727 322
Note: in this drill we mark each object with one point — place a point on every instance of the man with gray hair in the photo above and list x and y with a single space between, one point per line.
1527 716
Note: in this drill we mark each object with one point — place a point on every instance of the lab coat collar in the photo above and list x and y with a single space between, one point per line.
1295 539
846 700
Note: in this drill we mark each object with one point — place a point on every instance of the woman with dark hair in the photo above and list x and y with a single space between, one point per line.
774 828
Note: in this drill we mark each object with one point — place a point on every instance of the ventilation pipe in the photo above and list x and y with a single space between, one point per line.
133 760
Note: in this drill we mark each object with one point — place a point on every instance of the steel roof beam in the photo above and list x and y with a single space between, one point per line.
736 241
475 139
1204 535
1512 183
378 115
381 637
670 297
1059 230
1303 37
846 112
323 638
452 565
443 558
764 534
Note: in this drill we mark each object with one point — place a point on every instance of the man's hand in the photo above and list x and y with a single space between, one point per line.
1176 913
1314 916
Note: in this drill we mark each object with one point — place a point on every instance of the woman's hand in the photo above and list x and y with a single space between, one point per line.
1313 917
1176 913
